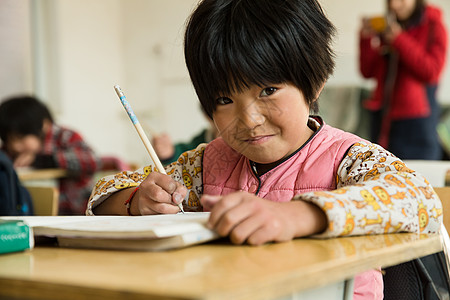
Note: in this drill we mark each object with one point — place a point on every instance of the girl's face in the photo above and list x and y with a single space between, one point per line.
264 124
403 9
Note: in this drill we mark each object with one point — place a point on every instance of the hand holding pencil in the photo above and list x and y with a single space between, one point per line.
142 135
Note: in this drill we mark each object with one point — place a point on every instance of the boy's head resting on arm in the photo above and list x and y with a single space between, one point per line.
23 122
231 45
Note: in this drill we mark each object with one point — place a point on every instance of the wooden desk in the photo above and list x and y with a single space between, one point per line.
40 174
40 177
210 271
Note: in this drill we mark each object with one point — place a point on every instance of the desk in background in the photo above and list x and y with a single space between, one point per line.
435 171
308 268
43 187
42 184
40 174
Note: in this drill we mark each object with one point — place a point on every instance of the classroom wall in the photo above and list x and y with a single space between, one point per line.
134 43
15 47
75 51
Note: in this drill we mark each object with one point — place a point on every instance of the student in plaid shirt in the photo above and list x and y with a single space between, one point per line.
31 139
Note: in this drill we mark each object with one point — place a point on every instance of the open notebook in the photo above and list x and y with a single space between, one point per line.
141 233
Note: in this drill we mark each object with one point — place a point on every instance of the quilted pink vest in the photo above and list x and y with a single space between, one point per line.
311 168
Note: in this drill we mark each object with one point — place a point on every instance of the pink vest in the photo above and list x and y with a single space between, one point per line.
312 168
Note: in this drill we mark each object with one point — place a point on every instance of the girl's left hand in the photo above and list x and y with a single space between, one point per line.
248 218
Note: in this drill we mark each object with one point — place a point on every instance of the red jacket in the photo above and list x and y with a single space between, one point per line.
64 148
422 52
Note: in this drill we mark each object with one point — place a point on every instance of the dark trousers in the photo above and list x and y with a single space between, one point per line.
412 138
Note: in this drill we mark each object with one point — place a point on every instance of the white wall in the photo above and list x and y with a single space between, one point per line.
84 47
156 80
81 59
15 48
347 17
134 43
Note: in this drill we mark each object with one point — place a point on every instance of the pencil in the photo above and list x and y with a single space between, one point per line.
142 135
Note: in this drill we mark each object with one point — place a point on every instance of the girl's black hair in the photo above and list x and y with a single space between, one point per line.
230 45
22 115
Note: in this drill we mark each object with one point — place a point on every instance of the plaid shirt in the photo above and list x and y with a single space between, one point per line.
65 149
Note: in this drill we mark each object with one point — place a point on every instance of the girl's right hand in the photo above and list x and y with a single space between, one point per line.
158 194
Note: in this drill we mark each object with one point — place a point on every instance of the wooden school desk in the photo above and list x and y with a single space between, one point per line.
40 174
308 268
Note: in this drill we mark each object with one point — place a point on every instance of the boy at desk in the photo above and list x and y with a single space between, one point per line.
276 172
32 139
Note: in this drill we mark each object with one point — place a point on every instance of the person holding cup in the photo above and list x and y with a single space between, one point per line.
405 53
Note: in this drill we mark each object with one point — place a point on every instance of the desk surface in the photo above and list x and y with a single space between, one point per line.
40 174
211 271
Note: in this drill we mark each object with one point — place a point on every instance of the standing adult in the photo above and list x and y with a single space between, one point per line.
405 54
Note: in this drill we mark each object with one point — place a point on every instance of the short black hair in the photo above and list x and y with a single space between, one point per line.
22 115
230 45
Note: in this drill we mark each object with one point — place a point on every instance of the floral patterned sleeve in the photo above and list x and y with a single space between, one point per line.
376 193
187 170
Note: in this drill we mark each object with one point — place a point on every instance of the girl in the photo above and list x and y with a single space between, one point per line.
406 59
275 173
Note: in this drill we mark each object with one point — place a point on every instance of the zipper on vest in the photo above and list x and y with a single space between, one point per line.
255 172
